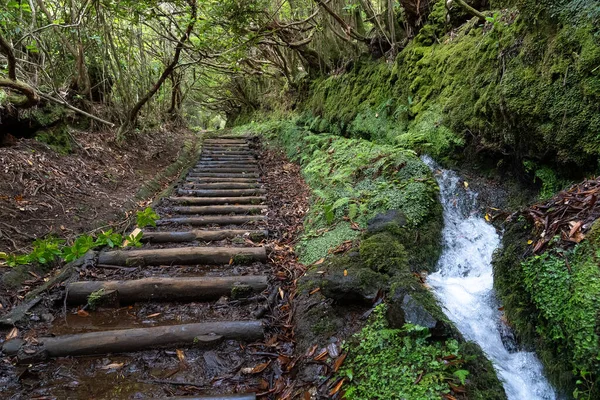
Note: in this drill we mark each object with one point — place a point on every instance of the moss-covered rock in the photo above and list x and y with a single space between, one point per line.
383 253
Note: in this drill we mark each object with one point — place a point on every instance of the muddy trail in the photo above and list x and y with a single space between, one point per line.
202 310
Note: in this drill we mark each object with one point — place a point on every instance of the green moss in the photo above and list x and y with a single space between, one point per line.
241 291
58 138
383 253
553 301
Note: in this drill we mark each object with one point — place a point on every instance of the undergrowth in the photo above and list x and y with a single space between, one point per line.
49 250
385 363
352 181
553 300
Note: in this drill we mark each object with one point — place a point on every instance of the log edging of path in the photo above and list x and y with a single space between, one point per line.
166 288
207 236
137 339
183 256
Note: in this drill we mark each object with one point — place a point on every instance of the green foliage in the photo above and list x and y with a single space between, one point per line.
109 238
568 302
80 246
352 179
511 91
553 299
49 250
386 363
147 217
134 240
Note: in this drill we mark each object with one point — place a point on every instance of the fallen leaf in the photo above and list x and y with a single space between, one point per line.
153 315
466 184
314 291
530 241
14 332
321 355
83 313
311 351
487 217
319 262
113 366
180 355
281 293
260 367
338 362
337 387
345 272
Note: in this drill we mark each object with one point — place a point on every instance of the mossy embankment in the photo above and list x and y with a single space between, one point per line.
552 299
521 92
373 226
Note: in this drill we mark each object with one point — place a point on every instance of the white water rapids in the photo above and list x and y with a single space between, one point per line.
463 284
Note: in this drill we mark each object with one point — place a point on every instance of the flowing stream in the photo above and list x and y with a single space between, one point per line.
463 284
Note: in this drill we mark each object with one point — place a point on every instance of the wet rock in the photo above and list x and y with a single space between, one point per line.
418 308
385 221
416 314
351 284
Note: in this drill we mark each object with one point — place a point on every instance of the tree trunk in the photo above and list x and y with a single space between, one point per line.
133 114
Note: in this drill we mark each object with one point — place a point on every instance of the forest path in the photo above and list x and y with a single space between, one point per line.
186 313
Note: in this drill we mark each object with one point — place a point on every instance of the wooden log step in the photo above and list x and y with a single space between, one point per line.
183 256
231 163
128 340
228 159
169 289
248 169
214 220
207 210
219 200
226 141
222 185
227 153
221 192
223 174
206 236
221 180
225 147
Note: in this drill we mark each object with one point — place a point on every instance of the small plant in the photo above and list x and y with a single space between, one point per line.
134 239
81 246
147 218
46 250
109 238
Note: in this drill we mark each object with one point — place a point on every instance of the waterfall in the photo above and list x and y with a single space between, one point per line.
463 284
